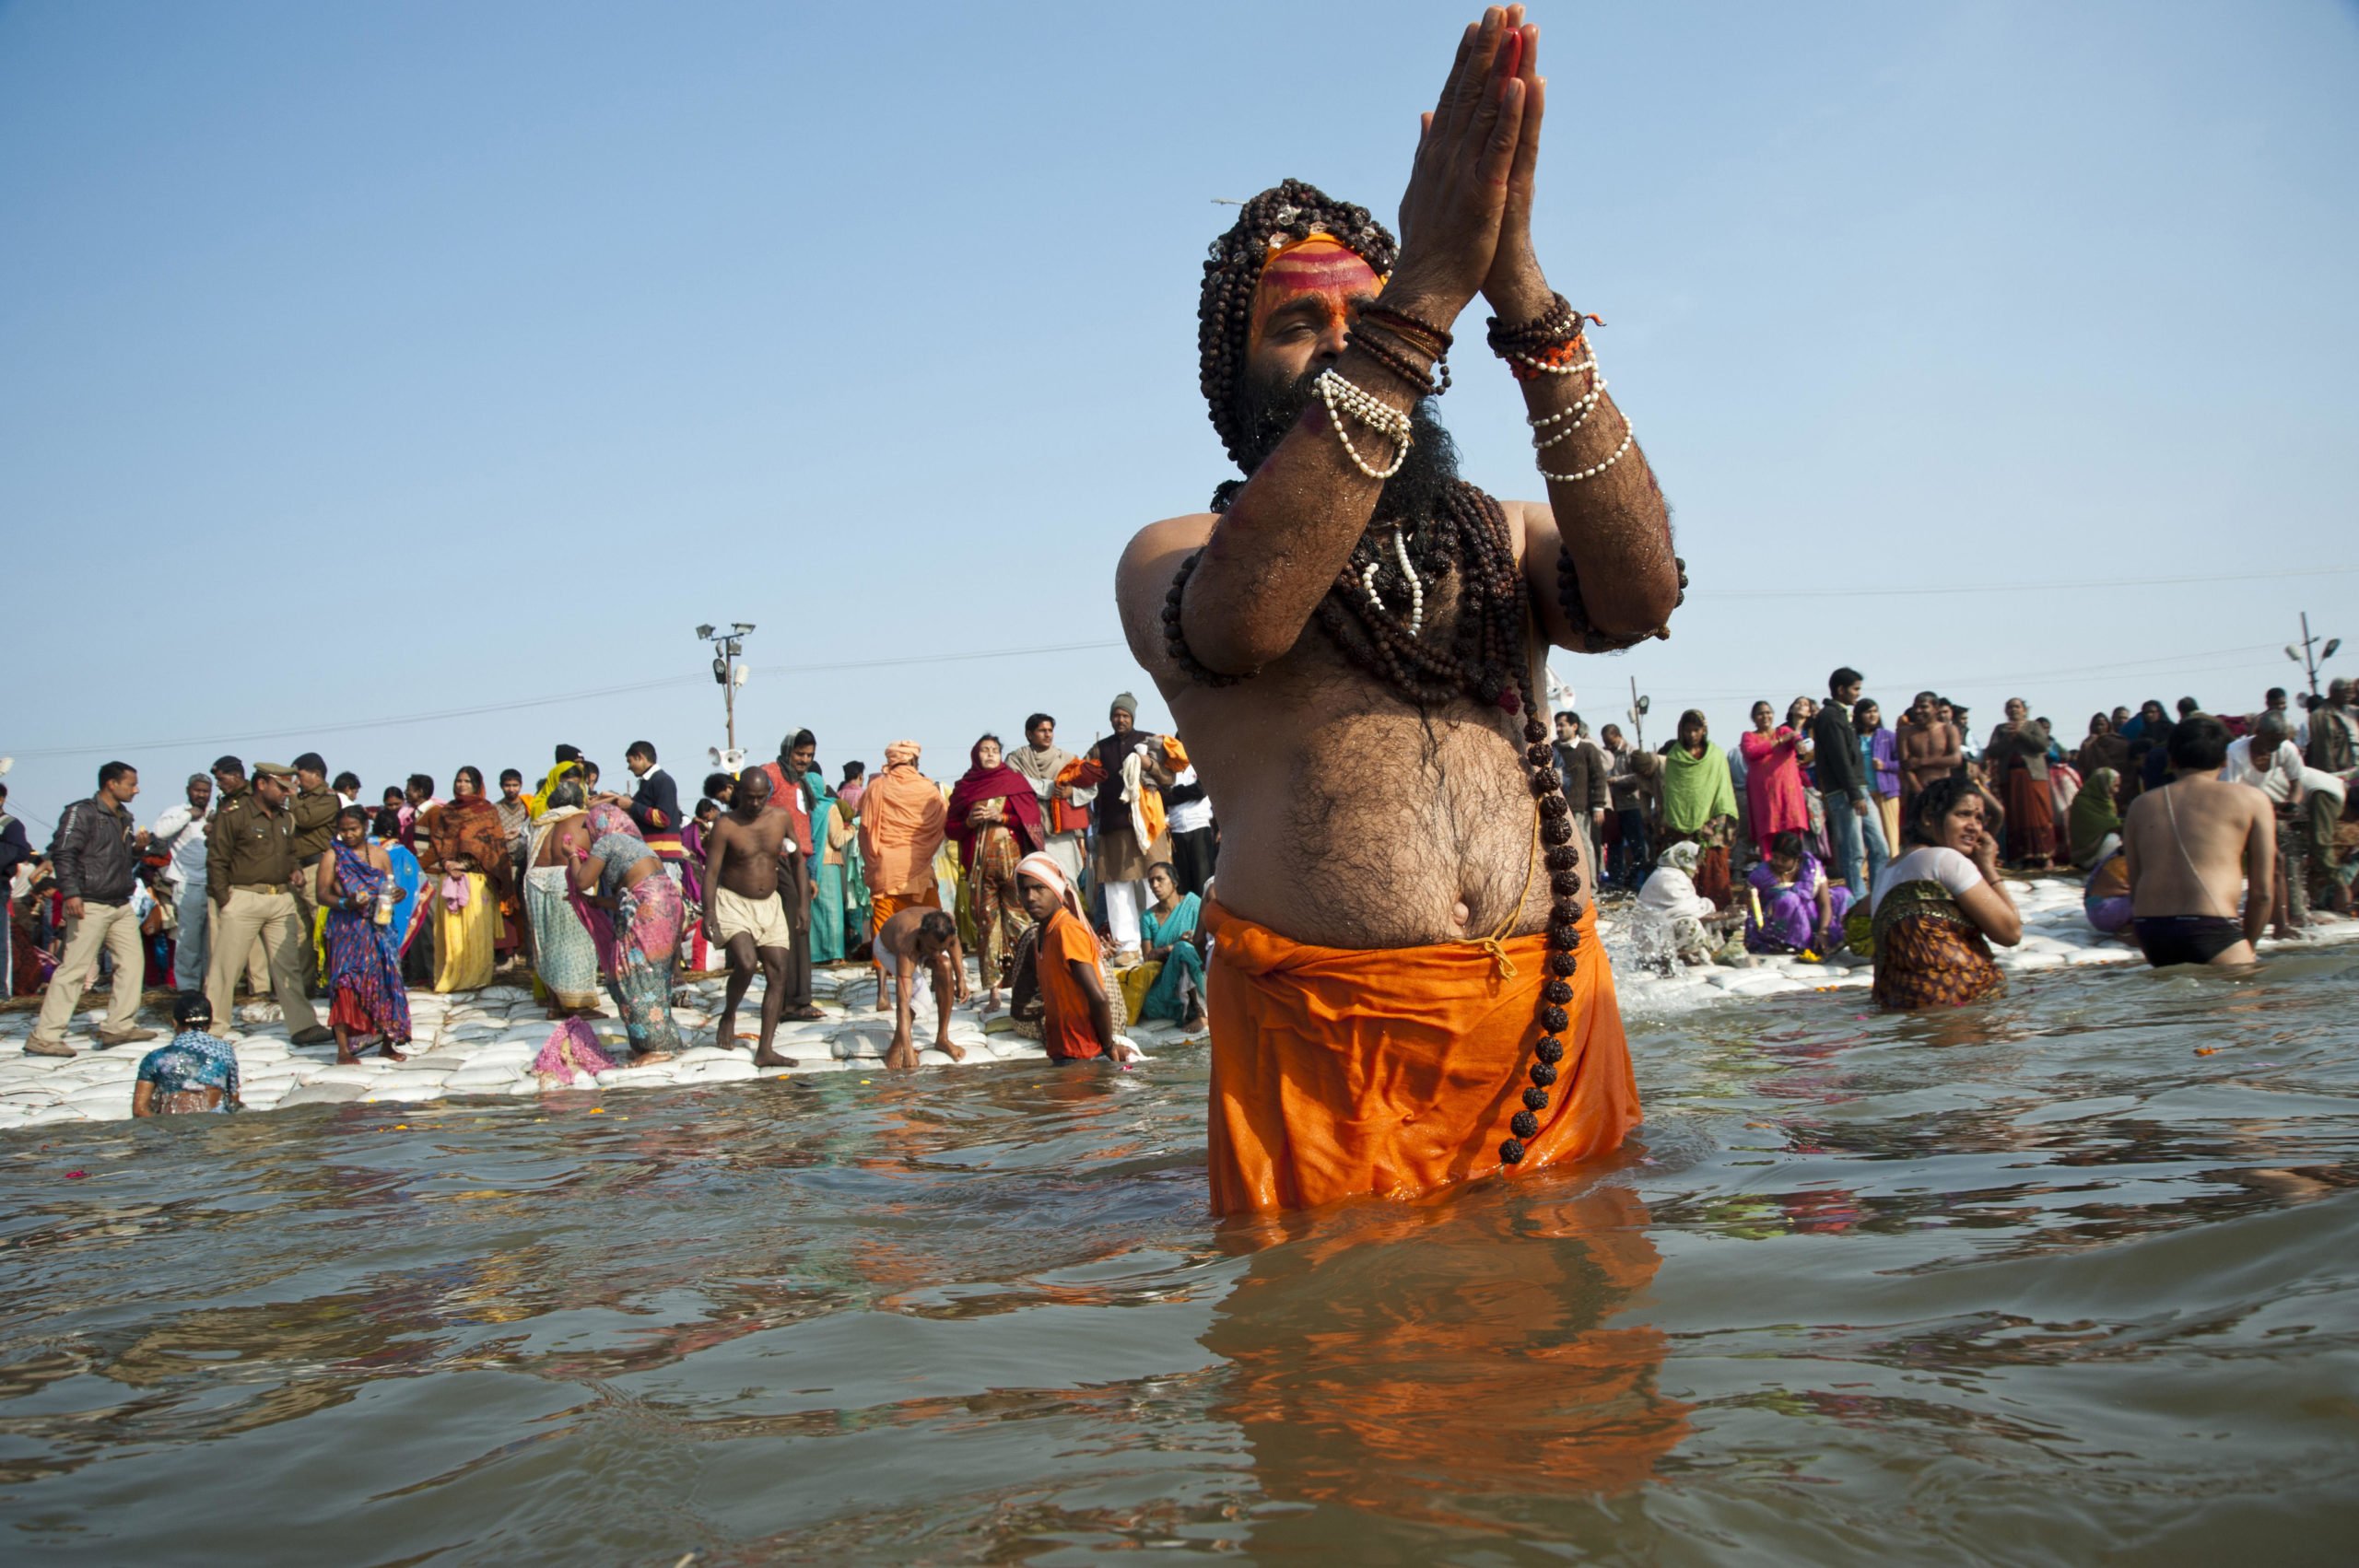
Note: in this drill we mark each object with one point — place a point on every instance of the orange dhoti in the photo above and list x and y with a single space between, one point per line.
1344 1072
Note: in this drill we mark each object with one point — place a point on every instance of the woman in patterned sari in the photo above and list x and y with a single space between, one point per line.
618 871
994 818
473 901
572 940
1938 907
364 958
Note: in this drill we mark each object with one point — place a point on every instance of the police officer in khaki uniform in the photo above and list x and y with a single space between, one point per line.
250 871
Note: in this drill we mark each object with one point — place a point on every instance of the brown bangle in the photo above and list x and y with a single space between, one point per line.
1431 381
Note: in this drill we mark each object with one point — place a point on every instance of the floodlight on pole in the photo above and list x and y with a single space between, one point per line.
2300 653
727 647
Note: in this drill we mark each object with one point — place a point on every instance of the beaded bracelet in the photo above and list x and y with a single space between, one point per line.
1346 397
1568 599
1437 339
1430 381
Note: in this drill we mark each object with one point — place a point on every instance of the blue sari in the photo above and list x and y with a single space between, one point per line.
1180 989
365 958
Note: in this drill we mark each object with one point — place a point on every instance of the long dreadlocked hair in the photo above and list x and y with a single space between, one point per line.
1286 212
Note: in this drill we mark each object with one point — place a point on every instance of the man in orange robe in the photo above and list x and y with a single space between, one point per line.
902 828
1406 989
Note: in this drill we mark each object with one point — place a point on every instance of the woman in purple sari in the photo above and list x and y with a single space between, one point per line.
1795 907
364 956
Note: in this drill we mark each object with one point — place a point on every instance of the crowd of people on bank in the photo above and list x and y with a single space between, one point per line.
2193 835
1077 880
1074 880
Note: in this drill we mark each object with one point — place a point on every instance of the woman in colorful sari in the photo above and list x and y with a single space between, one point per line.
1939 906
364 958
468 851
994 818
1773 780
1168 939
572 940
1795 909
619 872
693 843
2017 755
1699 802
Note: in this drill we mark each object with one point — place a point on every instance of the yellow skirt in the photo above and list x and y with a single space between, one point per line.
465 940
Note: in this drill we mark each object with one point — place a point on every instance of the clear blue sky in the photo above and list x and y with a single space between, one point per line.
371 361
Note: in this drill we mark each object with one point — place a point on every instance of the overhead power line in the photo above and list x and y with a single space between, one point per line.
1800 592
126 748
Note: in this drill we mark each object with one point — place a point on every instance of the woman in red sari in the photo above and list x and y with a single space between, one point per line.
1774 801
994 818
2017 757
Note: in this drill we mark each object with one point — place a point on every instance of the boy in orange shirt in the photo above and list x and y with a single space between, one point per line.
1079 1022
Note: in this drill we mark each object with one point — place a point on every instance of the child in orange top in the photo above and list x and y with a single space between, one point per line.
1079 1024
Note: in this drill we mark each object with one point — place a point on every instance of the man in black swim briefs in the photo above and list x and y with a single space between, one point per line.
2192 846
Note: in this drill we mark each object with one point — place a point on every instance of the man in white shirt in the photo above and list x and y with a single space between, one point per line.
181 830
2240 768
2310 801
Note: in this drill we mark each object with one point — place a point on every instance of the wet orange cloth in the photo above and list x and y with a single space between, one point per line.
1066 1029
901 826
1341 1071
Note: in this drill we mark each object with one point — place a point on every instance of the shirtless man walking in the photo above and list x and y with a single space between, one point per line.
916 942
741 870
1407 987
2190 848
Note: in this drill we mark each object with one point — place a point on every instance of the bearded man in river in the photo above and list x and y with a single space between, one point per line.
1407 986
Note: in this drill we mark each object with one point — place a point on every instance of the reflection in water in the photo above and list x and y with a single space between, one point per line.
2070 1277
1420 1358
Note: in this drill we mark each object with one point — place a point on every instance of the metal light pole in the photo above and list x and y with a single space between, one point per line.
2300 653
727 647
1639 706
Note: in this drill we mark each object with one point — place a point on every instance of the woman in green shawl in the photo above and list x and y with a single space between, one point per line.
2092 816
1699 802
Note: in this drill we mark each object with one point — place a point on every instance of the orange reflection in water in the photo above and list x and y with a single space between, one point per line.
1413 1358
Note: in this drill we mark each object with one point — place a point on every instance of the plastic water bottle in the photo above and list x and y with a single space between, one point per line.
383 913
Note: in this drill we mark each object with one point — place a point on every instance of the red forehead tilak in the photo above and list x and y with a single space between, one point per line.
1319 265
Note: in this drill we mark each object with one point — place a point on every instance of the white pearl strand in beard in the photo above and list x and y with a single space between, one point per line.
1340 397
1416 586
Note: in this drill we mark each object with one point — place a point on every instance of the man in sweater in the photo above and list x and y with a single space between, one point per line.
96 852
1851 819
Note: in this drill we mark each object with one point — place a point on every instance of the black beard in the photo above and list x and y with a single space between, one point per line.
1269 405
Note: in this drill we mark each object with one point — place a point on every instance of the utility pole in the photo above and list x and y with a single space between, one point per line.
1639 706
727 647
2300 653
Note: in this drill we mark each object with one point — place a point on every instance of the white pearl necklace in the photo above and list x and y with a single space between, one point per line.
1343 397
1416 586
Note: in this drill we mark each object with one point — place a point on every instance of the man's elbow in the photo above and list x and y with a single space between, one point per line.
1234 645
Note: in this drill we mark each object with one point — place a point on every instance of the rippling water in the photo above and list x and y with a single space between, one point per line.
2067 1278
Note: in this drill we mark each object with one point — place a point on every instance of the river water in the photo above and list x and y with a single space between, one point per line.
2066 1279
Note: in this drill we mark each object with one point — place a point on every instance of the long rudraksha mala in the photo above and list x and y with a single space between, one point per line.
1374 614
